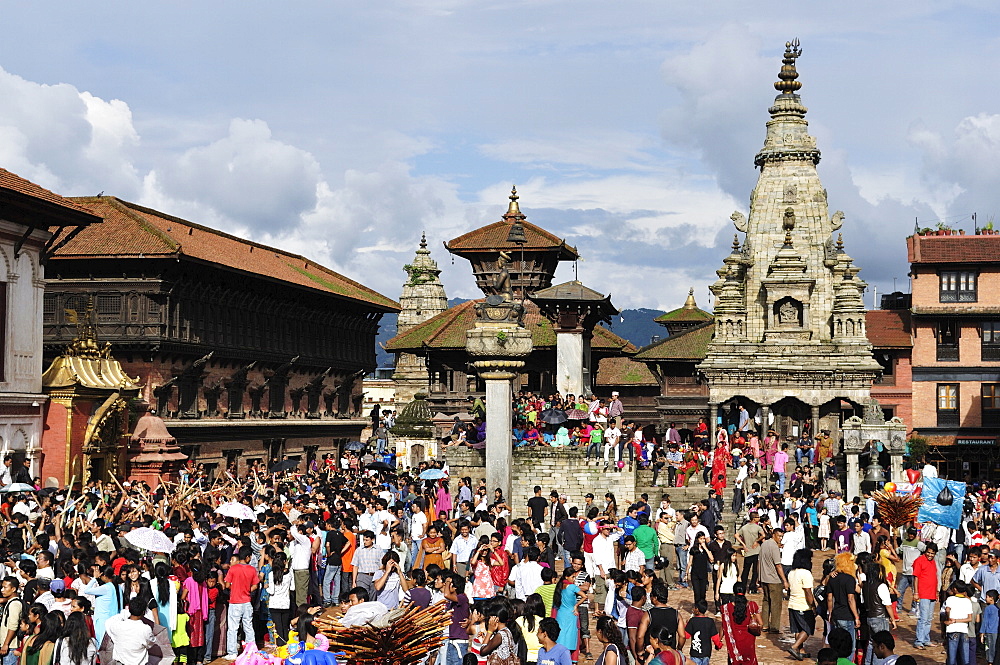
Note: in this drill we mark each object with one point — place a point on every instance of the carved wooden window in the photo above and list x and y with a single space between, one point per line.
152 309
958 286
134 303
947 340
49 305
991 340
991 404
947 405
108 306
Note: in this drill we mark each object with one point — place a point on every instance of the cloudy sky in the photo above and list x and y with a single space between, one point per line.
341 130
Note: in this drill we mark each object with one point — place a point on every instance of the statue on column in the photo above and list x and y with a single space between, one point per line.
502 284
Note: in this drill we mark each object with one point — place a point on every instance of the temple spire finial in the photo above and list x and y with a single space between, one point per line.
513 208
423 240
788 85
736 243
690 302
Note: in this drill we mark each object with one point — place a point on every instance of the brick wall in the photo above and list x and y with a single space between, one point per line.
562 469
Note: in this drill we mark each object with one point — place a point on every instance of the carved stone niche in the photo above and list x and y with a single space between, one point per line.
787 310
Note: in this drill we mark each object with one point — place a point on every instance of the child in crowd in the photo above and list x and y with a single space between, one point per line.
702 633
988 626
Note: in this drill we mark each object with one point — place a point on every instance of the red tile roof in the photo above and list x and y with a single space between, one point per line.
65 212
447 331
130 230
493 237
953 249
888 328
16 183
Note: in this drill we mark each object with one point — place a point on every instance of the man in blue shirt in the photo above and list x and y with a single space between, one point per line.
628 523
987 577
551 653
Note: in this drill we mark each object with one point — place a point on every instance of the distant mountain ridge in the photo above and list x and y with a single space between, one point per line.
635 325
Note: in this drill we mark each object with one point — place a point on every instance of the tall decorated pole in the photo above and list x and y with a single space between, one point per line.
499 344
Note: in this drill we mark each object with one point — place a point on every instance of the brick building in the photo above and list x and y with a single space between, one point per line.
248 352
956 349
890 333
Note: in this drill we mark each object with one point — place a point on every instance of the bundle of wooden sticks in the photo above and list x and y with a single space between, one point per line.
405 641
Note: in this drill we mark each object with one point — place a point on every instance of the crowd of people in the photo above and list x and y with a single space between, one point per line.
556 581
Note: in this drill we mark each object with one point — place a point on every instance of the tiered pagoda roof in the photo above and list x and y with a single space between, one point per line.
447 330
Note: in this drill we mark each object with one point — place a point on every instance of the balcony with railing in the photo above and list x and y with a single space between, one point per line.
947 418
947 352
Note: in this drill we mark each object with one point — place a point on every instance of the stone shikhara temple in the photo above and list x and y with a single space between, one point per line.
789 340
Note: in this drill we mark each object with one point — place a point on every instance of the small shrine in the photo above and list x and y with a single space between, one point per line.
87 415
574 311
154 455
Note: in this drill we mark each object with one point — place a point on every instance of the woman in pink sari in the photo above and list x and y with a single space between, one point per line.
770 448
443 504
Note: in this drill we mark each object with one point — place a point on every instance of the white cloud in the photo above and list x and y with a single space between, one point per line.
249 177
599 150
64 139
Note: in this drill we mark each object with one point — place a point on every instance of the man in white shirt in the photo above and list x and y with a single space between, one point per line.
611 437
692 531
604 549
793 541
301 553
527 575
860 540
6 477
366 520
634 557
418 528
462 548
384 522
969 568
132 636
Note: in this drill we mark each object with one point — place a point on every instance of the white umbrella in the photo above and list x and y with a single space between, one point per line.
17 487
149 539
236 510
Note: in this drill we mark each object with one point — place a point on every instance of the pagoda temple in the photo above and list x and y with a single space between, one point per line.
514 257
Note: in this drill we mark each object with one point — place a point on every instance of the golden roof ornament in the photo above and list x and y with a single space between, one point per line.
690 303
788 85
513 208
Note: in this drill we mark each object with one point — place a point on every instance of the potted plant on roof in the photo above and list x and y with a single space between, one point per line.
988 229
943 229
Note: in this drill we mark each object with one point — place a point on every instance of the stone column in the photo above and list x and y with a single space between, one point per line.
498 351
765 414
815 430
569 362
853 475
499 449
713 411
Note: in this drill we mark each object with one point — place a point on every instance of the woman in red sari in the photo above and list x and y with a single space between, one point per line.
499 563
720 463
736 619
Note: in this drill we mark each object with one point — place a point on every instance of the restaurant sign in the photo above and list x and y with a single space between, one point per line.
976 442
